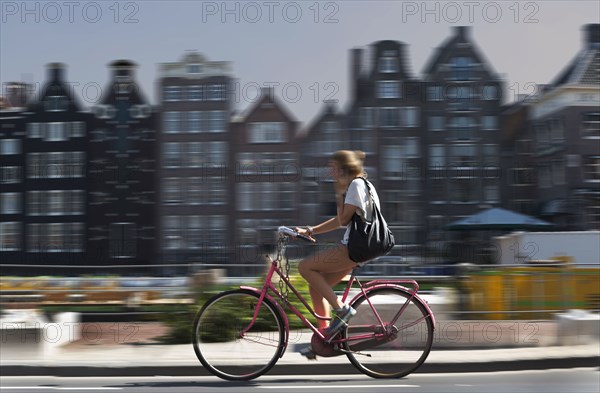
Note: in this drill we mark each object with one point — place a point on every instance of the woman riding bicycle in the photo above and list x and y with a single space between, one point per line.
325 269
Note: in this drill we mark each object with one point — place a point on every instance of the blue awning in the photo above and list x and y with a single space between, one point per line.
497 218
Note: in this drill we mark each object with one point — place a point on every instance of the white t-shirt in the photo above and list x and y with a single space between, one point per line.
358 195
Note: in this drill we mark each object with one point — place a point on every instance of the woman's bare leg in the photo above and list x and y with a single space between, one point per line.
322 271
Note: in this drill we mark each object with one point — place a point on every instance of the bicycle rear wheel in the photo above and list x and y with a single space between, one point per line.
407 342
225 349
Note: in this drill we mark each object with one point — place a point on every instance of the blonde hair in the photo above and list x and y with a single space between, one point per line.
351 162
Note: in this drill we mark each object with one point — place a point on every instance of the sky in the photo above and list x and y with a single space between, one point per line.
302 46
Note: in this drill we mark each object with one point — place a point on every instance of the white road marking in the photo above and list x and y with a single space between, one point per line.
56 388
334 386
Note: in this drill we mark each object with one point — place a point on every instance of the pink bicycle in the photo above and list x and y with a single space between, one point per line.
240 334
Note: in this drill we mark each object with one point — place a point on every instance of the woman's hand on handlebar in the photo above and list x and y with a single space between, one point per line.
304 232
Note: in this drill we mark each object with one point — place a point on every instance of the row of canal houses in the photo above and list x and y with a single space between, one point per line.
125 187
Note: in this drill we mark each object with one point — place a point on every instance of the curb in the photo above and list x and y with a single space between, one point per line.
312 368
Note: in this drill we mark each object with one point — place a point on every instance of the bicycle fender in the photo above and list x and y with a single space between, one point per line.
400 288
281 312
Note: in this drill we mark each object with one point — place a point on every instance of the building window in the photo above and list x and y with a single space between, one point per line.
216 92
173 191
217 121
396 161
388 89
437 156
173 232
489 122
55 237
77 129
217 153
267 132
491 193
34 130
56 103
462 98
172 154
389 117
590 125
10 146
206 191
55 165
435 93
56 132
55 202
265 196
272 163
591 169
490 156
410 116
462 128
196 93
436 123
393 161
463 155
592 216
10 236
172 122
461 68
195 121
10 174
10 203
464 190
490 92
212 154
366 117
388 64
172 93
196 154
194 69
522 177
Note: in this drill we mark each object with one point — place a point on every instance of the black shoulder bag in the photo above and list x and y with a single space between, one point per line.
369 240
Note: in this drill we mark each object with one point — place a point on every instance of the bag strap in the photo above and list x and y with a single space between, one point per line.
374 206
368 188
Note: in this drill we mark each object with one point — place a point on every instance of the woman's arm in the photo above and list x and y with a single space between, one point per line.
345 211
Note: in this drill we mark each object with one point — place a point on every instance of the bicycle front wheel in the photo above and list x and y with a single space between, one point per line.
229 345
391 334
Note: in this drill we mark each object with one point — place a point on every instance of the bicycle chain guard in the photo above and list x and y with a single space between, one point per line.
322 348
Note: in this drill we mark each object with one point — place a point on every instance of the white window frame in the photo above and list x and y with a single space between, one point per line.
436 123
10 147
388 64
10 230
196 90
172 93
388 89
267 132
11 203
414 116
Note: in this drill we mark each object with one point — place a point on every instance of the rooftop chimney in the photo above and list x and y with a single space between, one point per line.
123 70
56 72
462 32
591 35
356 56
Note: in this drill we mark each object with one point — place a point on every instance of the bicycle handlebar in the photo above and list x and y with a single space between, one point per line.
292 233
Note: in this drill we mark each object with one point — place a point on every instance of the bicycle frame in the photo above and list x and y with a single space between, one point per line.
364 288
